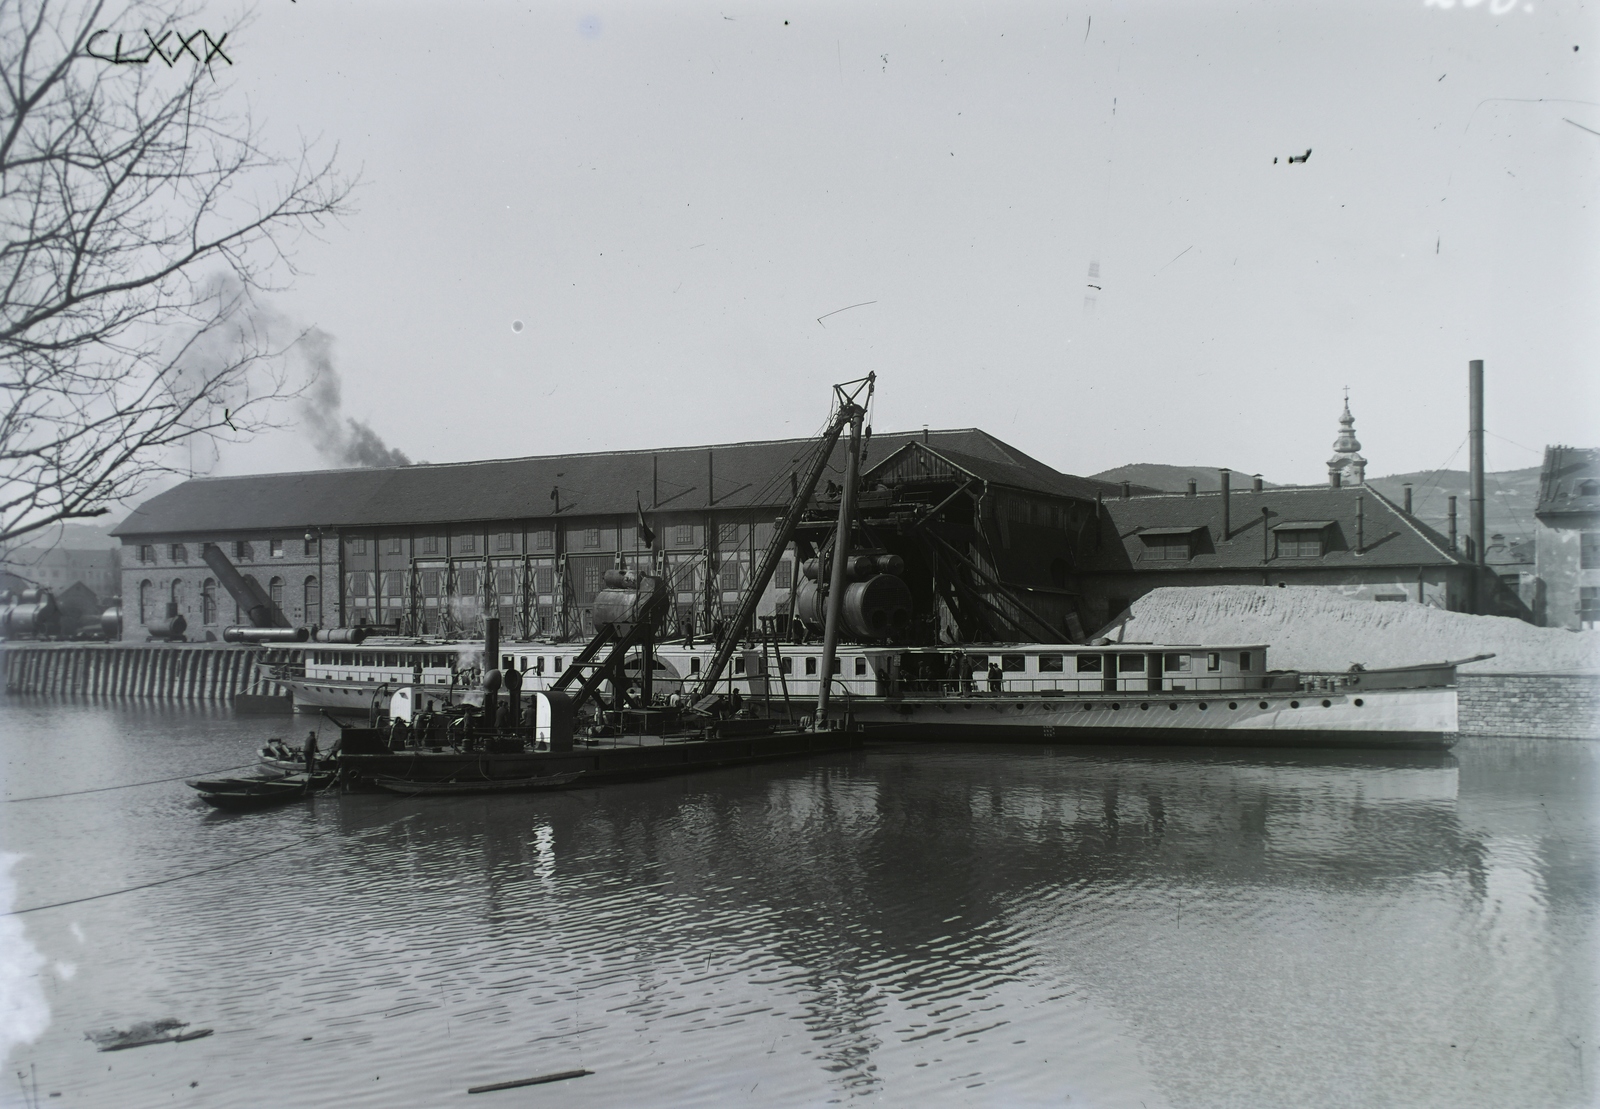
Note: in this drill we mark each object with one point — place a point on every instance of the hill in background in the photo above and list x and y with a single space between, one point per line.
1174 479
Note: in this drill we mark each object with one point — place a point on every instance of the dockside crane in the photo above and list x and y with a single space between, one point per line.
853 398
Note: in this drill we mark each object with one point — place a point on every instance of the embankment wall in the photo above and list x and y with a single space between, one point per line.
202 672
1552 706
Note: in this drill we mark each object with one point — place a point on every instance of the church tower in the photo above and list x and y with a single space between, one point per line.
1347 467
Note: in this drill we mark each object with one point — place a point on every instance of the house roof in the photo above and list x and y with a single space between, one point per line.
1011 468
745 475
1390 537
1562 482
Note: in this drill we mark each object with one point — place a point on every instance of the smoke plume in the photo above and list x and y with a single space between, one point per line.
342 440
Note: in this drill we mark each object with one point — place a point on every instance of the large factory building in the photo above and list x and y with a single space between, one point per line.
429 549
996 545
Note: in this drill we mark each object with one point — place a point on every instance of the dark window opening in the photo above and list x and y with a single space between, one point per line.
1299 544
1589 550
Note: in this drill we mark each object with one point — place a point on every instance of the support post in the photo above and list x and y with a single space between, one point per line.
1475 388
836 577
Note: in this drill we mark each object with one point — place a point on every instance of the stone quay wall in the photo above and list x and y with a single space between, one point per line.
1550 706
200 672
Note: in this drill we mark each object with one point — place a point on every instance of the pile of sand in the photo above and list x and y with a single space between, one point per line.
1306 628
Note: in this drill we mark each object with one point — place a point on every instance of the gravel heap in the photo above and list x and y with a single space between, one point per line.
1307 628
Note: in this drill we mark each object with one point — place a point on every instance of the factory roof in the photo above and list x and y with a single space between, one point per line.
935 460
1389 537
1569 483
674 479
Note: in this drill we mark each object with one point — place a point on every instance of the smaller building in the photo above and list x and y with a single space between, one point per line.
58 568
1348 538
1567 546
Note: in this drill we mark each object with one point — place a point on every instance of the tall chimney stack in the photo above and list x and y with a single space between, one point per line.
1453 523
1127 490
1407 493
1475 434
1227 499
1361 526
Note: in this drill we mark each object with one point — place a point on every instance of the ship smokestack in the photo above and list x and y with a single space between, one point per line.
1227 503
491 643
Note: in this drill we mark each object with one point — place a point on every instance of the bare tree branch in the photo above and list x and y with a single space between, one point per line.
139 217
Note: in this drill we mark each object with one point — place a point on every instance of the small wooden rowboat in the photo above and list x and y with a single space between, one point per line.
257 793
416 788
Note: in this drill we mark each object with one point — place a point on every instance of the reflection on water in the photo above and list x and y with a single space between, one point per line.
986 926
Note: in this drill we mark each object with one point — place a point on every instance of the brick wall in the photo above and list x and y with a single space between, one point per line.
1556 706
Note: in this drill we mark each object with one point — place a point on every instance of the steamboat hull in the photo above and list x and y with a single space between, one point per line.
1414 719
598 765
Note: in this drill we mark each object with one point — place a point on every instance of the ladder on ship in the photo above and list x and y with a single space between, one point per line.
603 657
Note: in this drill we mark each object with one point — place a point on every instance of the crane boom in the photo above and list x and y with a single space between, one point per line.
848 411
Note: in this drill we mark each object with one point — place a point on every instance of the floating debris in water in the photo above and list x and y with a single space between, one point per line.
558 1076
164 1031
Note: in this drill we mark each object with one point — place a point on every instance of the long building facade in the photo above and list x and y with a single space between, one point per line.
996 545
432 549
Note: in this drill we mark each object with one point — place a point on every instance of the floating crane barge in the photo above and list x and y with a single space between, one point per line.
601 720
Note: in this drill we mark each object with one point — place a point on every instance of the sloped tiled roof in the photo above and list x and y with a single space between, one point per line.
1390 537
1561 482
1013 468
745 475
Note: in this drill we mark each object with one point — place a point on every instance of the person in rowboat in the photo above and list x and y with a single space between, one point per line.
311 752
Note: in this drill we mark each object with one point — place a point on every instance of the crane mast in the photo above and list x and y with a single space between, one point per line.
850 414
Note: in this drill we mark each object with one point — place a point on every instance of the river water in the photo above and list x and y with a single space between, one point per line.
961 925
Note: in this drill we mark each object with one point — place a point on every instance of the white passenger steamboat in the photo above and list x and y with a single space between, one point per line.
1215 694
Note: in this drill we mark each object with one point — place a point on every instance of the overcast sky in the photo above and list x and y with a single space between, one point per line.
667 197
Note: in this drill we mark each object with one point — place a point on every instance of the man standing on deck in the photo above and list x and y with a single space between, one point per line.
311 752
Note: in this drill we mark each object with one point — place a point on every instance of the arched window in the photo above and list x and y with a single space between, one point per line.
313 607
146 596
275 595
208 602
